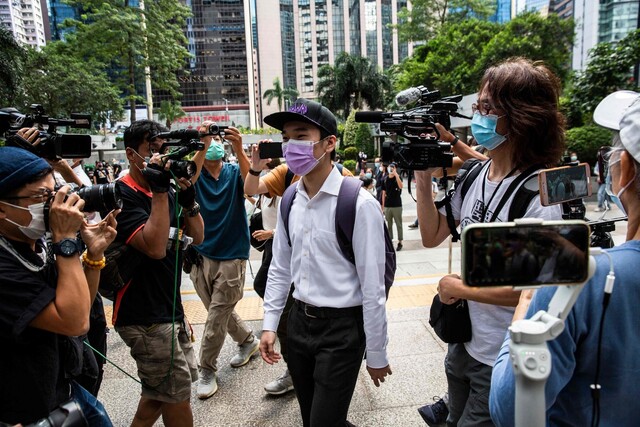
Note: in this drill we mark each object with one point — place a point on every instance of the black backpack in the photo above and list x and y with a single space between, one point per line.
524 193
344 222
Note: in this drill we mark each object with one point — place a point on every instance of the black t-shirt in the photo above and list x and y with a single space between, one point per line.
32 381
393 199
148 297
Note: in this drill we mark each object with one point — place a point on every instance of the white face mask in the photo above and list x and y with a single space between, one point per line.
36 227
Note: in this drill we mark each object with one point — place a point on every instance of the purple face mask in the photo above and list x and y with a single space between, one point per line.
299 156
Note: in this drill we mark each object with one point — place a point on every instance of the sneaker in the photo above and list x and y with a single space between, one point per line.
399 247
413 225
435 414
246 351
280 385
208 384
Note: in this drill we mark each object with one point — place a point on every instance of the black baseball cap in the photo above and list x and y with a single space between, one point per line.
304 110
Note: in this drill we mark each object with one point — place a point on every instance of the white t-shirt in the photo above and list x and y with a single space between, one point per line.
269 213
489 322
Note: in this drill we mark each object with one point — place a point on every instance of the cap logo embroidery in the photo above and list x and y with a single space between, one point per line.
298 108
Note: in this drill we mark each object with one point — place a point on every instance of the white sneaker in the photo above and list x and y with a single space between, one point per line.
246 351
280 385
208 384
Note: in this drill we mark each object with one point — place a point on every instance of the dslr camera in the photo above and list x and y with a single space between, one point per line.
424 148
53 145
186 141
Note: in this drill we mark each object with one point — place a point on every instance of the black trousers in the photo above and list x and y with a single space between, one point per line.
260 281
325 355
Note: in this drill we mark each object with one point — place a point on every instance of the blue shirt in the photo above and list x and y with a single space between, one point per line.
226 230
574 352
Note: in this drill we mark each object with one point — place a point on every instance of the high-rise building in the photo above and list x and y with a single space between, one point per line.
25 20
562 8
297 37
617 19
503 12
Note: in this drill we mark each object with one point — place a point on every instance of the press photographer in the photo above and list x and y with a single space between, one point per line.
595 376
148 313
517 119
42 303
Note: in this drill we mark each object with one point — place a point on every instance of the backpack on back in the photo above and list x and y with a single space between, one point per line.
345 223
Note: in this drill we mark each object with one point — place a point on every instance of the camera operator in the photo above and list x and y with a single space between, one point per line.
517 120
576 352
44 304
148 313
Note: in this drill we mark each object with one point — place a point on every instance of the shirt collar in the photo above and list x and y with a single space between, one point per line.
330 186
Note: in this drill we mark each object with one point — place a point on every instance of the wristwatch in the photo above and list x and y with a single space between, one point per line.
455 141
67 247
254 173
194 211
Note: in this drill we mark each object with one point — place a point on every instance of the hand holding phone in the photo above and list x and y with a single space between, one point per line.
270 150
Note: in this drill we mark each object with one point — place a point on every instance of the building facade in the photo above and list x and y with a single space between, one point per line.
617 18
25 20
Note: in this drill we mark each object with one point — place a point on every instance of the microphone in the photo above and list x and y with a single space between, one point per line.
408 96
370 116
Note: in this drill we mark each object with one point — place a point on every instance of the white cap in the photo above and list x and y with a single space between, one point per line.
610 110
630 129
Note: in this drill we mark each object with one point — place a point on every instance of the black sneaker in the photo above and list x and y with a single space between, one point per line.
399 248
435 414
413 225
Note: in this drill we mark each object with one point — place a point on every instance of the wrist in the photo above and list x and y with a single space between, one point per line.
455 141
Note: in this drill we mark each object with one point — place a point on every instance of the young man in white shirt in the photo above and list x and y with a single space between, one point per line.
339 308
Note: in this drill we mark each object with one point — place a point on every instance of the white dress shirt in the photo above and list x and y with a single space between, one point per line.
323 277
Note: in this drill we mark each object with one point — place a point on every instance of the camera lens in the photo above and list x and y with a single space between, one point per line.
101 197
183 168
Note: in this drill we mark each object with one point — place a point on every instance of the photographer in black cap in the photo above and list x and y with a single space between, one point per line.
43 303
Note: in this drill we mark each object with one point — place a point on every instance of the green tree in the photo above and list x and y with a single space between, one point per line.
11 58
113 36
170 111
426 18
350 83
609 69
280 94
62 84
349 134
586 140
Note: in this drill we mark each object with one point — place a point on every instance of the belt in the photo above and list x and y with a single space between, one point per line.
327 312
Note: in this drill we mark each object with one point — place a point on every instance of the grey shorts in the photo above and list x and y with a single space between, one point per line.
151 349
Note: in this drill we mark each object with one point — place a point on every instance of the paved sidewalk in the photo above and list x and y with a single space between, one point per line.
416 354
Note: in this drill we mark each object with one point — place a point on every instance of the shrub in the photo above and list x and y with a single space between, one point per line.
350 153
350 164
586 140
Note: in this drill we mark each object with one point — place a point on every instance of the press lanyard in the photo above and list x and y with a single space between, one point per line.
485 207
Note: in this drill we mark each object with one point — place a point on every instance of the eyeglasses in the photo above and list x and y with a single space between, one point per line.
484 108
43 196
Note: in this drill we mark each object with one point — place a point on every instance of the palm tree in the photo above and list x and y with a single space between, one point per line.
280 94
169 111
350 83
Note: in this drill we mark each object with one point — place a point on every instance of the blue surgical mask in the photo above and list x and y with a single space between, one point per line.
215 151
377 164
484 130
615 198
368 175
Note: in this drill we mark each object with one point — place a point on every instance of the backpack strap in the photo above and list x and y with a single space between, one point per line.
346 215
523 197
513 188
285 207
288 177
467 173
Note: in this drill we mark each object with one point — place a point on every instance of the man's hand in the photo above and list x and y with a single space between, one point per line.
65 214
258 164
31 135
261 235
448 288
267 347
187 193
378 374
445 135
99 236
232 135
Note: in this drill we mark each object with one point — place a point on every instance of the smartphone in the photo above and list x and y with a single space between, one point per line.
525 254
565 183
270 150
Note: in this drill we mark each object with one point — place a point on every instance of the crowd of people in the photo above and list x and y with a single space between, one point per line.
322 311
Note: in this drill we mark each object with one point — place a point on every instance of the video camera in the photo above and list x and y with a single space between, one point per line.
53 145
187 141
425 148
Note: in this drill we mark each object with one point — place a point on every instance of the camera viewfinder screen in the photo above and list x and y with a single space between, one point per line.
525 255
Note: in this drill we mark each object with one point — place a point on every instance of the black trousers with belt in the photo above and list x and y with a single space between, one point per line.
326 347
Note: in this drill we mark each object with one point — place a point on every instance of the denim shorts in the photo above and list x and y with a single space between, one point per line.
152 350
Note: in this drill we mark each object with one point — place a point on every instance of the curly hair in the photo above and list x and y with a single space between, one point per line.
528 92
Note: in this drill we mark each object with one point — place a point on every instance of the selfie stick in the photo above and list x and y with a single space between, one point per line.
530 354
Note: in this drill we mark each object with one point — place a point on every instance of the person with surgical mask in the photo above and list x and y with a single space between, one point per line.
517 119
45 298
339 305
599 343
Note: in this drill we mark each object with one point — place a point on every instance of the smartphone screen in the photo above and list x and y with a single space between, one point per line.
270 150
551 253
566 183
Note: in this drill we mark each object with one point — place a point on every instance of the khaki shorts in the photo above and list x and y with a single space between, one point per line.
151 349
